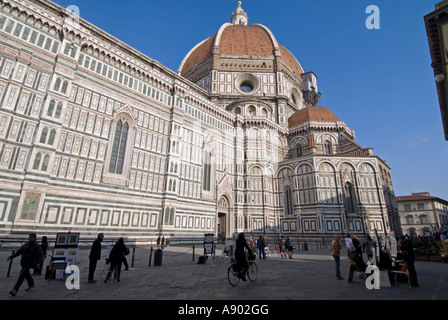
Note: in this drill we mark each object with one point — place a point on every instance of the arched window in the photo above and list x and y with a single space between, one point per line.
57 84
43 135
252 111
350 202
37 161
58 112
64 87
328 148
168 218
299 151
30 205
119 147
50 108
287 201
51 137
45 163
264 112
207 168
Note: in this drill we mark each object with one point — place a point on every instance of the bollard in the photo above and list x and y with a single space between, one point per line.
158 257
193 252
133 256
150 256
10 265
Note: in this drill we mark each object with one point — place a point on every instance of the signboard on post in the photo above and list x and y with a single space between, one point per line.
208 243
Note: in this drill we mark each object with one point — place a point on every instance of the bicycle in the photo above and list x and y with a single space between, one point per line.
234 274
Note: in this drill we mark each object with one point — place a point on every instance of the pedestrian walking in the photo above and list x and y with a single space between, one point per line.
261 248
31 257
369 247
158 242
289 247
251 243
116 259
44 247
358 246
94 256
336 253
282 246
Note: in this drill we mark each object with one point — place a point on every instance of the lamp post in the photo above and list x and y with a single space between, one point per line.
262 201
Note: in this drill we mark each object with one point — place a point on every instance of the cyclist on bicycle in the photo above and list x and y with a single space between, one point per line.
240 255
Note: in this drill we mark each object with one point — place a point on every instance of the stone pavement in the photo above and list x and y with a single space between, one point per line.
308 276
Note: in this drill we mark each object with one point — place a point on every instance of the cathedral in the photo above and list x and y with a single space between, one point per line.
97 137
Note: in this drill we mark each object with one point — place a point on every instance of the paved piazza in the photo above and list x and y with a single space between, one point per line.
308 276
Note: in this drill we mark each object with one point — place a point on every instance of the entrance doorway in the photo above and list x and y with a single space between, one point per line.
222 225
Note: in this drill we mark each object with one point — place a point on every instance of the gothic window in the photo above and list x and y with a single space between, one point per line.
168 218
45 162
30 205
206 174
57 84
43 136
119 147
61 86
350 203
299 151
41 162
328 148
58 112
51 137
305 185
287 201
50 108
37 161
64 87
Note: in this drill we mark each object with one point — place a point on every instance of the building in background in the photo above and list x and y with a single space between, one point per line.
97 137
437 31
421 213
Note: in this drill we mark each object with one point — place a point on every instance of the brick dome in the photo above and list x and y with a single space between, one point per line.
255 42
311 114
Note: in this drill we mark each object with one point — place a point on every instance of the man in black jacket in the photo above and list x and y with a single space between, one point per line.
95 255
31 257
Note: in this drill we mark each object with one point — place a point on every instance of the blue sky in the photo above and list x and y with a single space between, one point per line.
379 82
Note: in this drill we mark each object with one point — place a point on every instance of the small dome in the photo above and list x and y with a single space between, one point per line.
311 114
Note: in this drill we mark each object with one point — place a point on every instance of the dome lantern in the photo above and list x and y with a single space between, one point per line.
239 17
